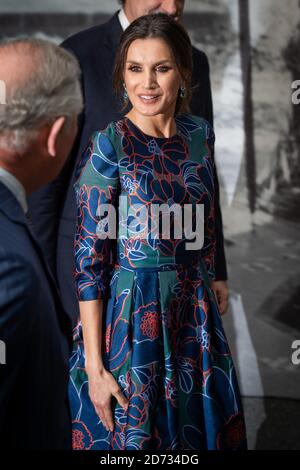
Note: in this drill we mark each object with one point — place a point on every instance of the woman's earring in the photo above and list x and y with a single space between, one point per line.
125 95
182 91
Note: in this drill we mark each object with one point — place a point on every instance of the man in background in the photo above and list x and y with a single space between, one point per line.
38 124
53 209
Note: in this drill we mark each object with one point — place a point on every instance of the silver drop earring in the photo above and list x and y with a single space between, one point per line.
182 91
125 95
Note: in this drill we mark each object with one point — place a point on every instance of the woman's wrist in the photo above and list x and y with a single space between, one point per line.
94 367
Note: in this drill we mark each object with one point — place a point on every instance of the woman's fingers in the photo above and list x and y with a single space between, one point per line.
117 393
100 408
101 392
109 418
121 399
105 414
101 415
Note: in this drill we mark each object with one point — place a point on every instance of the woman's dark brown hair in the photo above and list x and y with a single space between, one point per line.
161 26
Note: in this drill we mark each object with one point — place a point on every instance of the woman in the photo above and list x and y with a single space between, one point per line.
151 367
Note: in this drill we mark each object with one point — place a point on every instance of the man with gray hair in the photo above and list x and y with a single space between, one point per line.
38 124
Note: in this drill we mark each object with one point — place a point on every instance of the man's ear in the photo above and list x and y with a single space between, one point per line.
54 134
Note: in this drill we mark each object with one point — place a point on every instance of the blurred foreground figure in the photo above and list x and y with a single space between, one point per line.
38 124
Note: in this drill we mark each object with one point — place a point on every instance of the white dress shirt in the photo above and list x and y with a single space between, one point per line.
123 19
15 187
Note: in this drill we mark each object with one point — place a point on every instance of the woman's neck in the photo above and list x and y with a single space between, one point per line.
160 125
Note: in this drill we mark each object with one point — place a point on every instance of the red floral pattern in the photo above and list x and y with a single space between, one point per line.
150 325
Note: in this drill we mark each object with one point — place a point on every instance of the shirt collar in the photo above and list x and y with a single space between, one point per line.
15 187
123 19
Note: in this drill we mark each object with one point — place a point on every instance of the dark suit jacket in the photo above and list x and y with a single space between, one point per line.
37 333
53 208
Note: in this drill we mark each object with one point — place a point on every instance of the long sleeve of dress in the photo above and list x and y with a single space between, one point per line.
96 191
208 251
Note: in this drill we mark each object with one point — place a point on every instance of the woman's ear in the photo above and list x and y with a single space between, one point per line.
54 134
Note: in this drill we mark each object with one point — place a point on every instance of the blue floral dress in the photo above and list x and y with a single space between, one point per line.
163 338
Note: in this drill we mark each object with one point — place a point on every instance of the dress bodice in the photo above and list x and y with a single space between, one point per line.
150 187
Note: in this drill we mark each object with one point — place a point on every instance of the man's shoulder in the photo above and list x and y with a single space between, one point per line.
96 36
16 266
14 239
20 263
86 37
11 230
199 57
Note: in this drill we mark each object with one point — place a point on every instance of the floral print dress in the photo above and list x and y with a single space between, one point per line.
163 338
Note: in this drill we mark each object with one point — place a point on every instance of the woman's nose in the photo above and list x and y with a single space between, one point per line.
149 80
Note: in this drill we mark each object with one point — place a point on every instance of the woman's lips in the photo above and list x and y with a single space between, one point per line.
149 99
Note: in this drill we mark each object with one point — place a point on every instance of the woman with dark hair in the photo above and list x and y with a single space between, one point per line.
151 367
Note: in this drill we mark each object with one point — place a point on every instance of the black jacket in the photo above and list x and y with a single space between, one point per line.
36 331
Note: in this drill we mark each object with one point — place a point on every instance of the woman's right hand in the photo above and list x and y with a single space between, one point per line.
102 386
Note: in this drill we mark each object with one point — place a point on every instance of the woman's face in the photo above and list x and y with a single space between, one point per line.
151 77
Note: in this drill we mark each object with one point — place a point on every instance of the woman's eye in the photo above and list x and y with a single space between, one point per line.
134 68
163 69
